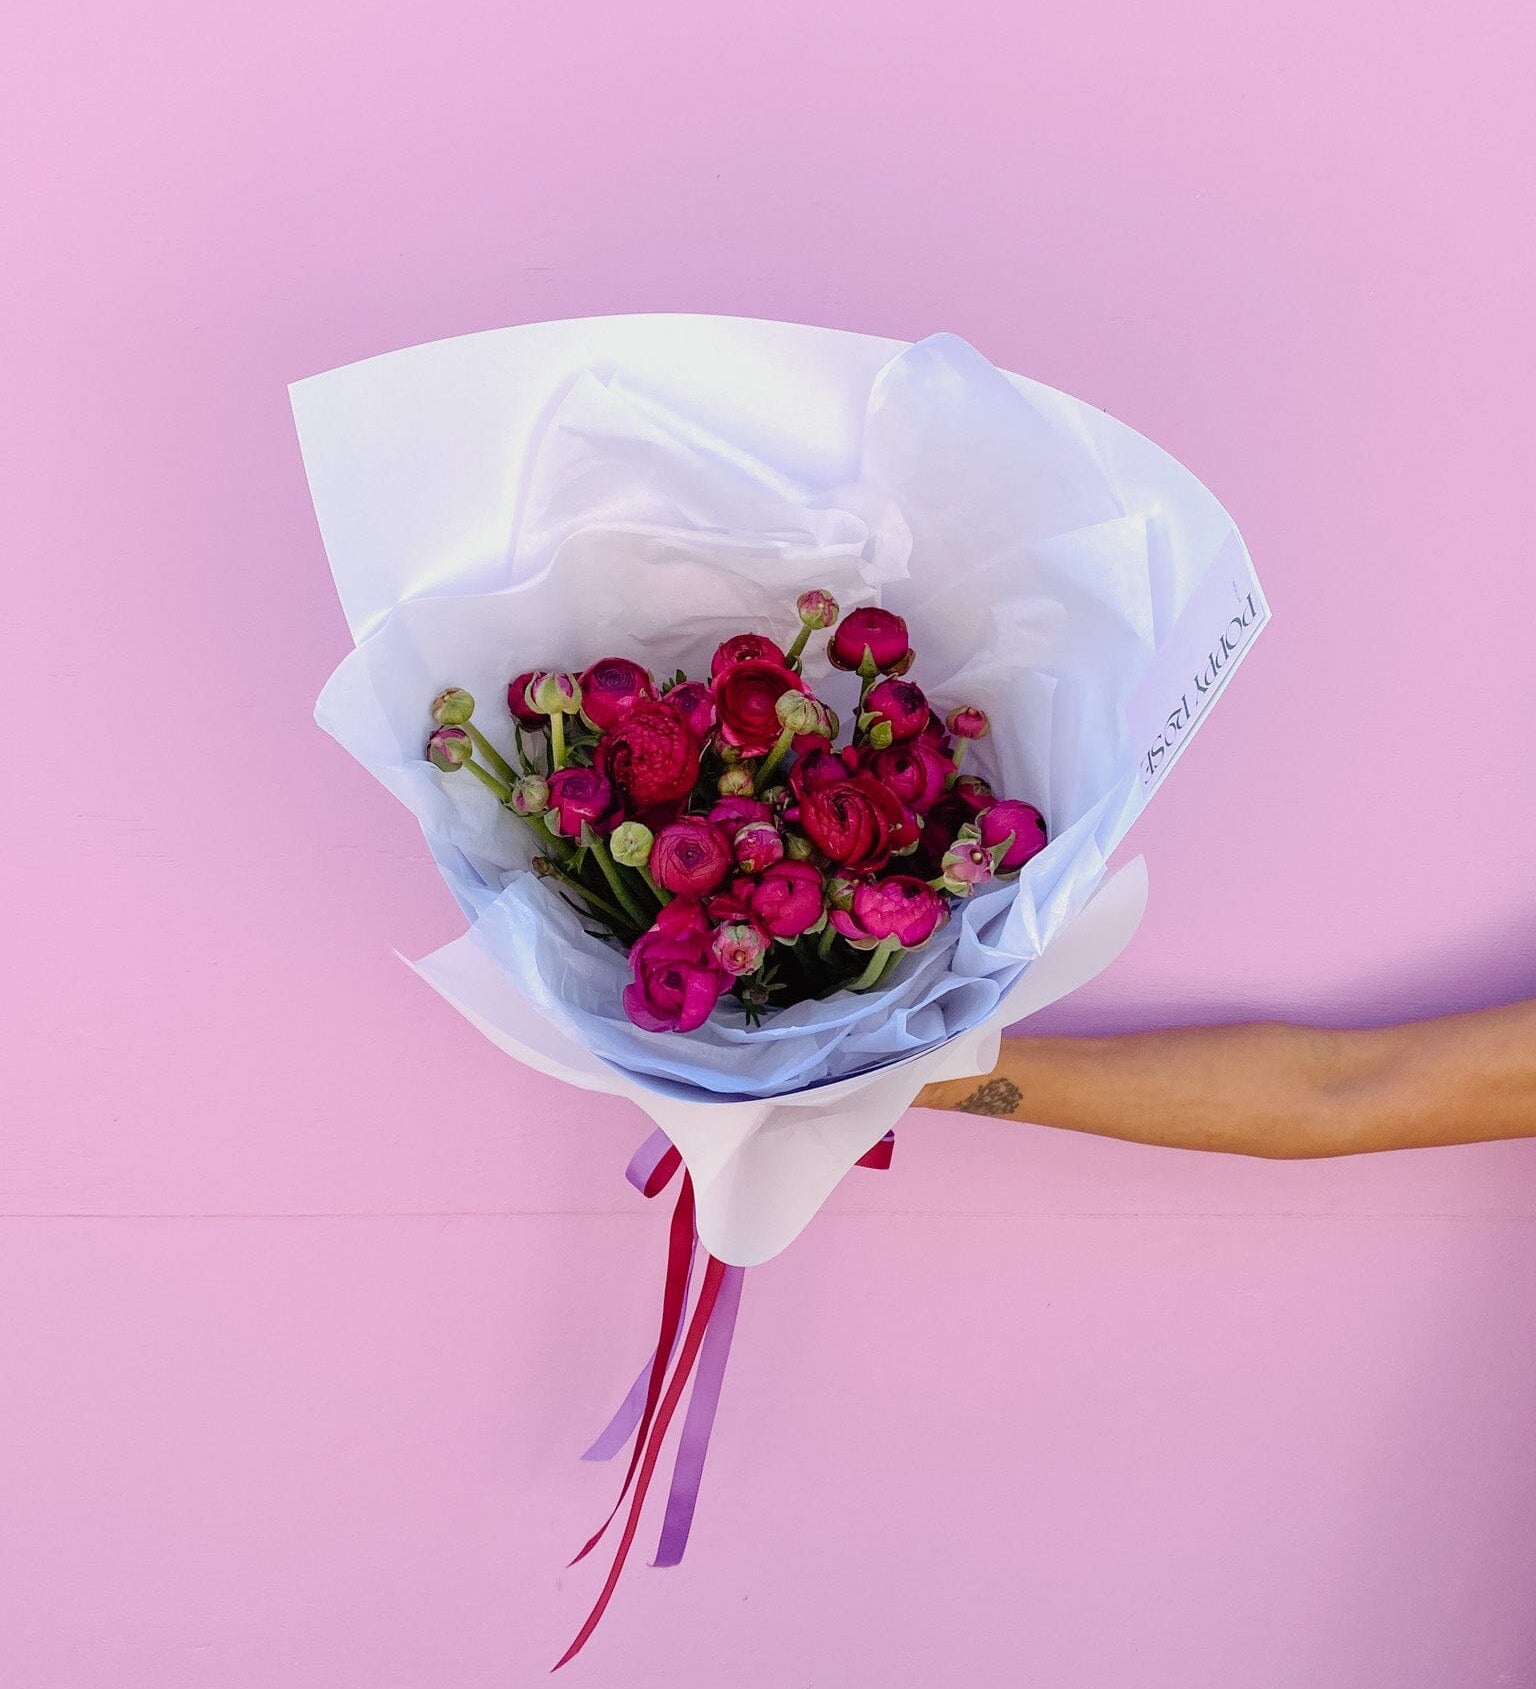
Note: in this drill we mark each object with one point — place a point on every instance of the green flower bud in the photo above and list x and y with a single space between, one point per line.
530 796
630 843
800 714
449 748
453 707
736 782
552 693
817 608
798 848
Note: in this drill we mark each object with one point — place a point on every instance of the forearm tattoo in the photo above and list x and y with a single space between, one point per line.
994 1096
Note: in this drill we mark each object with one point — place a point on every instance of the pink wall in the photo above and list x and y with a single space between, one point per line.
310 1298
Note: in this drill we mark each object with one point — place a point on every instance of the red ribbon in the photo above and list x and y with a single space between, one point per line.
661 1406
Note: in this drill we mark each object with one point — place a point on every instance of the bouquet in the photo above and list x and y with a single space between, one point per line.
702 893
716 831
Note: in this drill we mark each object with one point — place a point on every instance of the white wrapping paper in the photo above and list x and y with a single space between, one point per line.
547 495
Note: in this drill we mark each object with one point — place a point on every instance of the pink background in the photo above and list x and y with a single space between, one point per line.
310 1298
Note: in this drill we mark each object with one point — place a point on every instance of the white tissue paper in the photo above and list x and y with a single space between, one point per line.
646 486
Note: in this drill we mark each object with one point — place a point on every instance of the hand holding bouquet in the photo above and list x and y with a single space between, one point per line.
720 835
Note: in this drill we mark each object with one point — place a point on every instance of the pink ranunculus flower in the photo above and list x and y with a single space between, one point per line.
788 900
968 722
609 687
745 648
880 632
758 846
736 813
677 979
691 857
693 698
740 946
820 767
517 702
916 772
899 706
578 795
900 907
1023 821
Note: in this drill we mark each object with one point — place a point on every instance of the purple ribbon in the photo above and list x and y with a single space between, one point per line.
698 1424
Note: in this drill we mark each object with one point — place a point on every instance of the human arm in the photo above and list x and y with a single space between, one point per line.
1274 1089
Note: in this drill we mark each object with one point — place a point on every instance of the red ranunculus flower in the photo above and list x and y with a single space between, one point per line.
677 977
651 754
881 632
691 857
856 822
900 906
578 795
1023 821
746 695
609 687
745 648
915 772
787 899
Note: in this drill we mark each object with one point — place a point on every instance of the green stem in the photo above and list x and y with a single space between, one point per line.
615 880
879 961
599 903
557 738
772 761
959 757
503 793
792 655
662 897
494 757
824 943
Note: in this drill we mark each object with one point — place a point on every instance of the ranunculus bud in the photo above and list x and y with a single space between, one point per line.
899 906
691 857
879 632
802 714
517 701
553 693
693 698
740 947
973 792
758 846
630 843
530 796
736 782
966 864
1023 821
968 722
609 687
449 748
798 848
453 707
899 705
817 609
745 648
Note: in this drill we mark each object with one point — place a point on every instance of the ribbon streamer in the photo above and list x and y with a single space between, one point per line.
646 1413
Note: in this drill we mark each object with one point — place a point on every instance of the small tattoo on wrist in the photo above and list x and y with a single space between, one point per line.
997 1096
